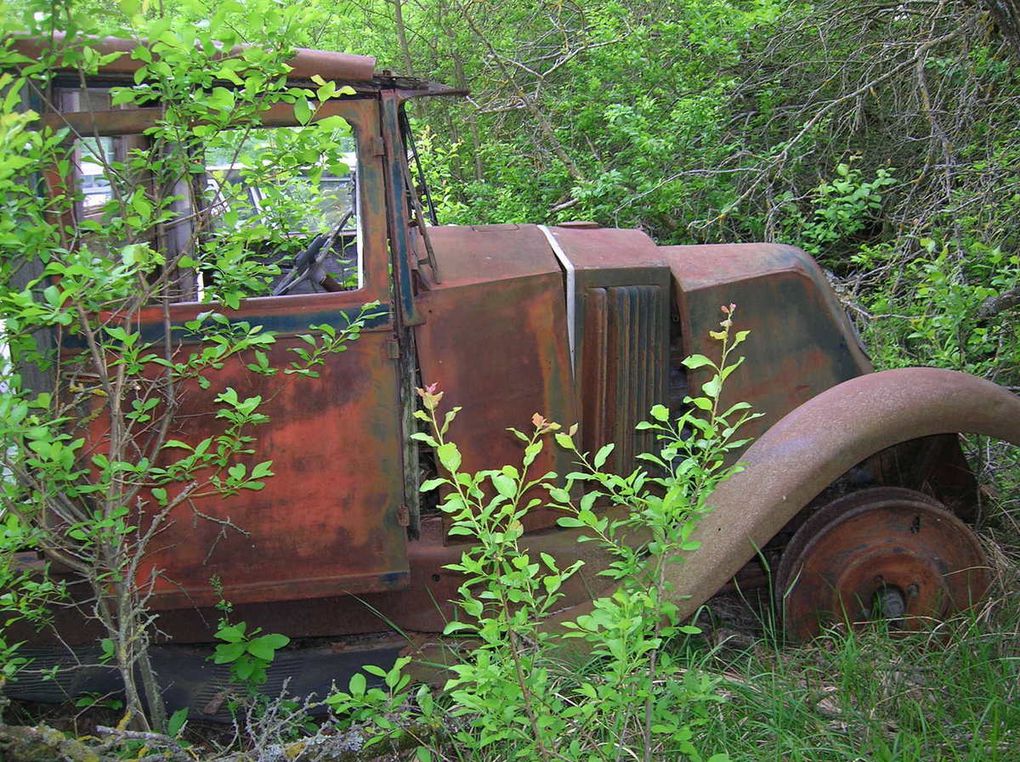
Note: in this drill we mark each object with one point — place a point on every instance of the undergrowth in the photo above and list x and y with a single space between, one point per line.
951 694
608 683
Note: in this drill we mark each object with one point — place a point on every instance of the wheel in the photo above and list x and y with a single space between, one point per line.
881 553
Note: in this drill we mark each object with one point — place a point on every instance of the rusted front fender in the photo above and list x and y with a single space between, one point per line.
819 441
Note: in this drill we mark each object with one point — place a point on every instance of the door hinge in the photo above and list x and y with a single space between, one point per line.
393 349
374 146
403 516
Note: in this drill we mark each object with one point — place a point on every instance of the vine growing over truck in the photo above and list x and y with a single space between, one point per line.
88 454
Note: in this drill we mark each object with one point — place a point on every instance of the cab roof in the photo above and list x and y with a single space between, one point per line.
345 68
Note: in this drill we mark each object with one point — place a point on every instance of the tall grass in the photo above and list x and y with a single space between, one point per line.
949 694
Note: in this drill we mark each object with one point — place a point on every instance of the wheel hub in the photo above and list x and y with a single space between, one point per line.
880 554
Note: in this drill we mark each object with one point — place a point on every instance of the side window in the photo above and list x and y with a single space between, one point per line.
291 193
243 213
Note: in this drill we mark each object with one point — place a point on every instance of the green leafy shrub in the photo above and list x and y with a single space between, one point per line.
518 690
249 653
25 594
936 315
841 208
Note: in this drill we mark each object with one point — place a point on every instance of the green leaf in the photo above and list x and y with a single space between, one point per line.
559 495
326 91
531 452
227 653
244 668
602 455
703 403
177 721
265 647
712 387
449 456
564 440
660 413
356 687
276 640
504 485
233 633
52 295
302 111
430 484
697 361
221 99
262 469
455 626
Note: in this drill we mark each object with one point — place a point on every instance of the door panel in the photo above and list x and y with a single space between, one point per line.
329 521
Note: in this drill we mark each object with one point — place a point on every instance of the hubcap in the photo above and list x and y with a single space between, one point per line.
879 554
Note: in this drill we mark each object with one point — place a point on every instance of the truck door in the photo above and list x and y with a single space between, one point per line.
329 520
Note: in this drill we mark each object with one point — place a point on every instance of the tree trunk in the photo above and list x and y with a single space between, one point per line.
405 51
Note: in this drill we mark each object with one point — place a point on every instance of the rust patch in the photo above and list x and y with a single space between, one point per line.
495 340
882 553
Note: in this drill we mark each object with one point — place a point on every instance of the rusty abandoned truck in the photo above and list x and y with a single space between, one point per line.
854 491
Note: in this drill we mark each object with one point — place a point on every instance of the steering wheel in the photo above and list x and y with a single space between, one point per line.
311 263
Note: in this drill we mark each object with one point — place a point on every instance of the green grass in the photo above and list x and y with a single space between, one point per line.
953 694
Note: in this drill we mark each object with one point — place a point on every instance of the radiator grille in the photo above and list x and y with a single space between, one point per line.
626 338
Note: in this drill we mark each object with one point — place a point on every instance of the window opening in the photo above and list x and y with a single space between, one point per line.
95 184
292 194
249 213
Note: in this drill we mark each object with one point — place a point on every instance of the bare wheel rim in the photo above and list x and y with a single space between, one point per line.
885 553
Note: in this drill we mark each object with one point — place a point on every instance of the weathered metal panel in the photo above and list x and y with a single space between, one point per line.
495 340
623 367
801 342
599 417
621 307
328 521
